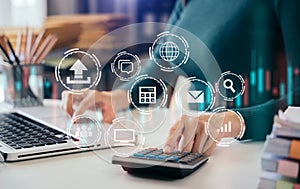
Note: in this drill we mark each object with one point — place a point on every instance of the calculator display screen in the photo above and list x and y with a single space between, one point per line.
147 89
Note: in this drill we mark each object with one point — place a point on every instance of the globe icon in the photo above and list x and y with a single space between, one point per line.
169 51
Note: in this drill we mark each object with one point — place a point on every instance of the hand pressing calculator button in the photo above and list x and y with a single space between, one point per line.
154 162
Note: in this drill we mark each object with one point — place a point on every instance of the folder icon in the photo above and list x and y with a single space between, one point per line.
195 96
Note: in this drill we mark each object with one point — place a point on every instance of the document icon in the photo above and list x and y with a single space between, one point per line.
195 96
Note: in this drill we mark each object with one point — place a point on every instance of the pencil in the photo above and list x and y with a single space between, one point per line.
19 43
36 44
41 48
28 45
2 42
47 49
33 49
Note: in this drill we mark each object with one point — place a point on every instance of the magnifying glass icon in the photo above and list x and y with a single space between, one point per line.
228 84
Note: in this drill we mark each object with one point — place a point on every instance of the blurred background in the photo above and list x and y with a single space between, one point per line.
34 12
79 16
76 24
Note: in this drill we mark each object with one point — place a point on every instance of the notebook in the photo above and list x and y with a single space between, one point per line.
38 132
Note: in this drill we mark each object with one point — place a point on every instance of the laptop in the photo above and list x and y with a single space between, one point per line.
38 132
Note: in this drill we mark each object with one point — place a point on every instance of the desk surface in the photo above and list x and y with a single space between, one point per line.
233 167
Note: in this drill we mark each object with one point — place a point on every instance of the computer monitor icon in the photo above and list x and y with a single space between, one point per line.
124 137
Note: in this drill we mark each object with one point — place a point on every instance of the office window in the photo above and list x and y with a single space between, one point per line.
20 13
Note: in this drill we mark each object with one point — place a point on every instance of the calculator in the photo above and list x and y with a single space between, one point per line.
154 162
147 95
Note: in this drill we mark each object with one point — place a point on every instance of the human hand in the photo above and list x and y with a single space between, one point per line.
95 99
188 134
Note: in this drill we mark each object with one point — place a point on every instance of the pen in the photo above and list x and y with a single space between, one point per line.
11 49
4 55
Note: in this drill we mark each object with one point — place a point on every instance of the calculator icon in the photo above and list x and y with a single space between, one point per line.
147 95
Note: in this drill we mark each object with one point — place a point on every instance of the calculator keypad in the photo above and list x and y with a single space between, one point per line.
159 155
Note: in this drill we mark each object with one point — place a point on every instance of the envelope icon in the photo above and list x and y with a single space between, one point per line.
195 96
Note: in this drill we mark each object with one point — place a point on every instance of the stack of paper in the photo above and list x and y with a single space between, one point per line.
281 159
93 27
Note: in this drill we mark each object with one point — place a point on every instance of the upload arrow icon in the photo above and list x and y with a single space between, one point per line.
78 68
83 74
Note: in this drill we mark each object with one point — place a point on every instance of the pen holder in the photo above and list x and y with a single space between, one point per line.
23 84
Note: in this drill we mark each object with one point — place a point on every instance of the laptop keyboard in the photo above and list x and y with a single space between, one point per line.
19 132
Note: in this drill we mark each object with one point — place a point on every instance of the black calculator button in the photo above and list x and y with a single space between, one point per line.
184 161
187 159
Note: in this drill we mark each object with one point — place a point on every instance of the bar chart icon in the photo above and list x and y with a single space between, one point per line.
226 128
